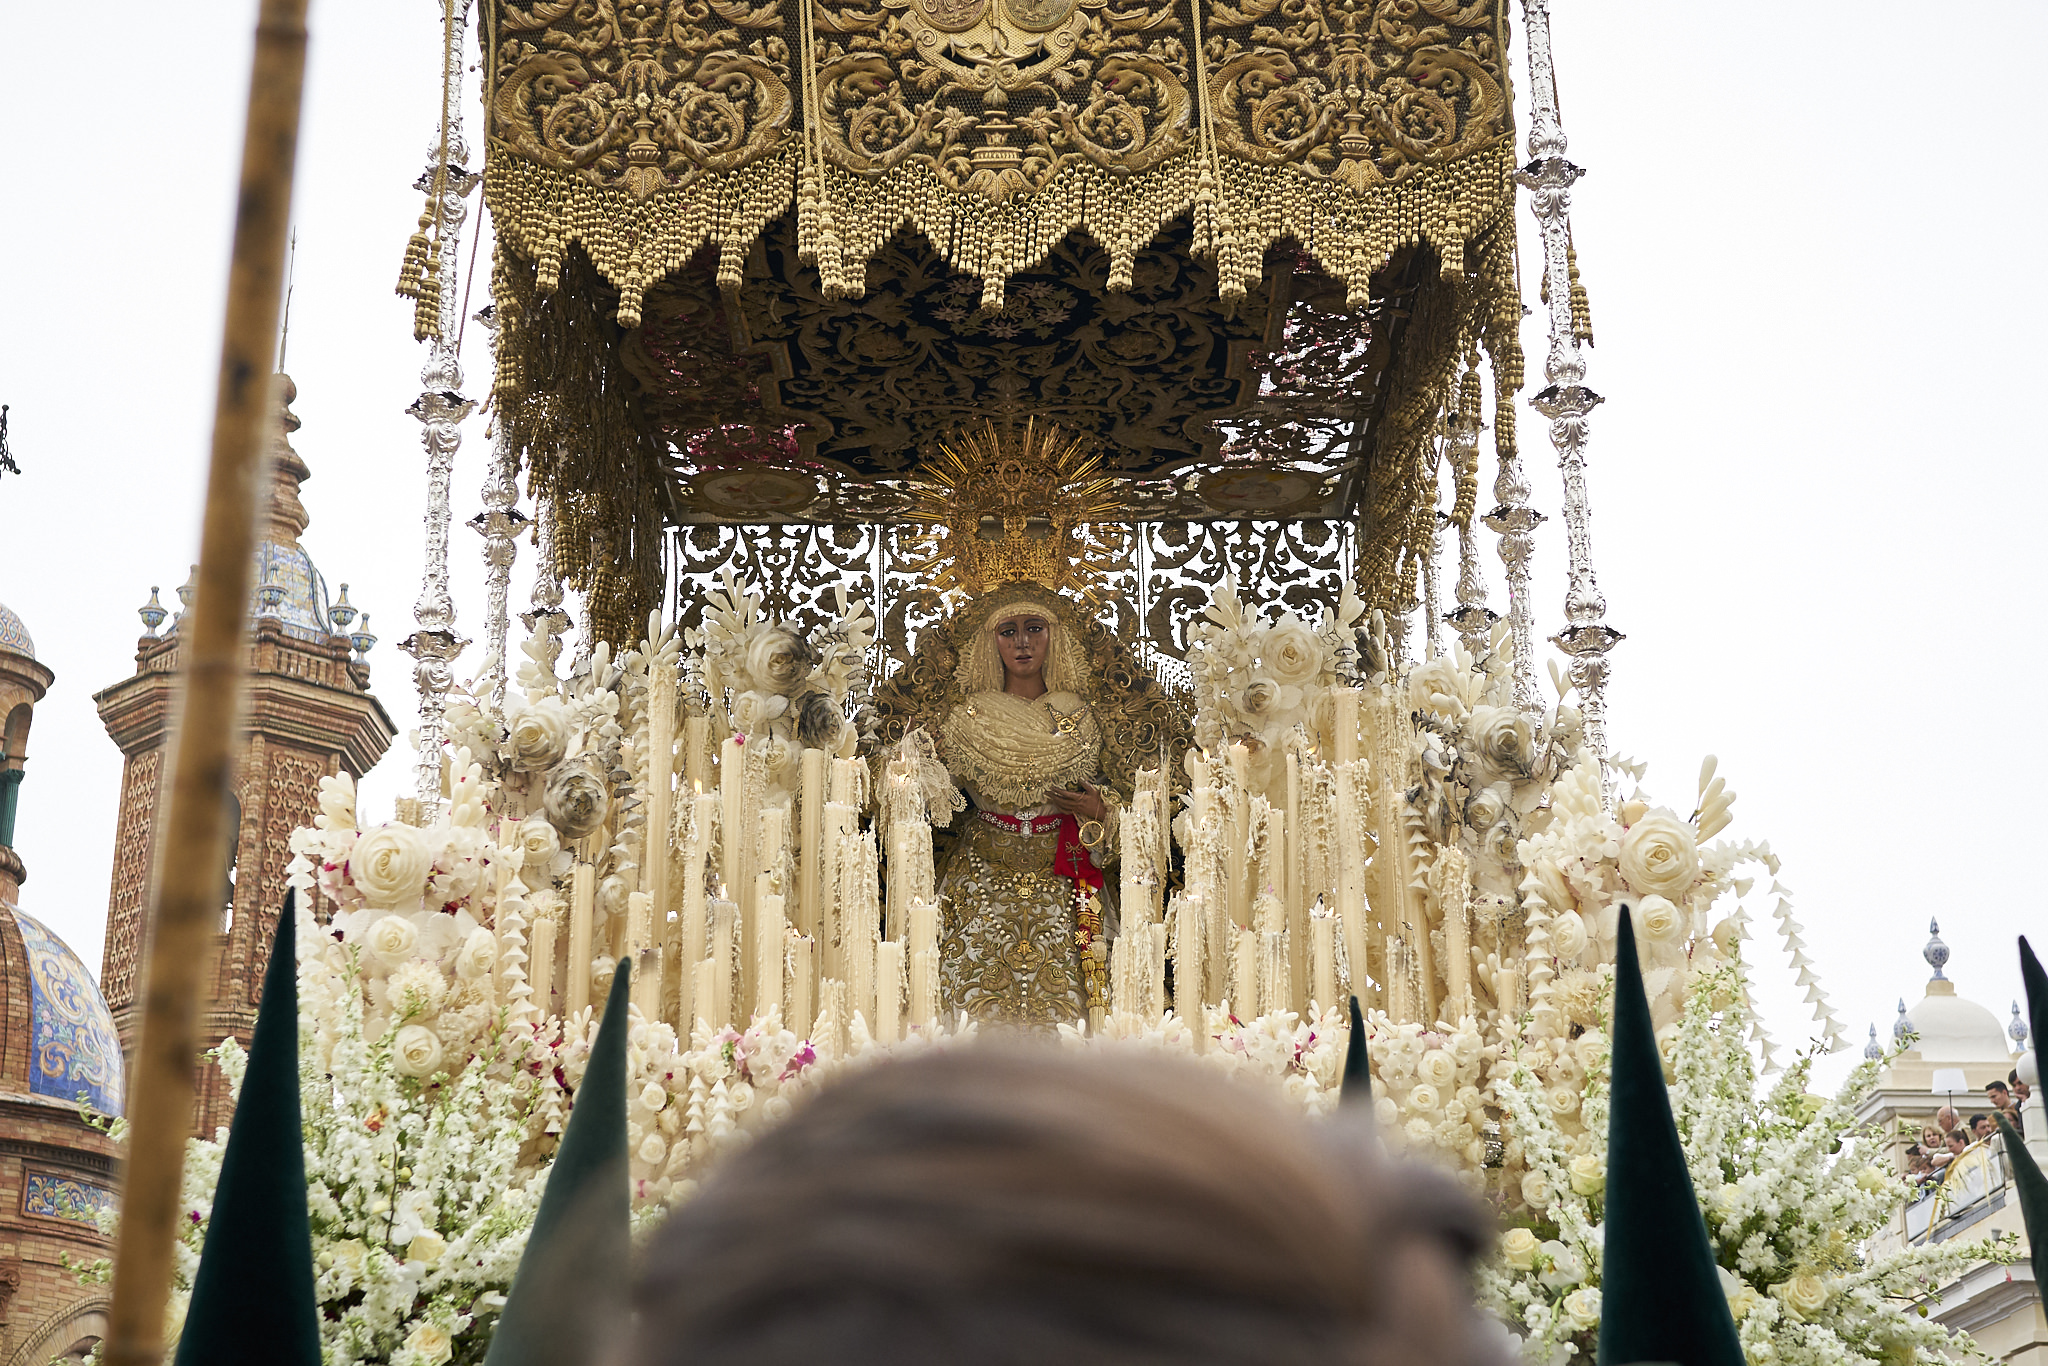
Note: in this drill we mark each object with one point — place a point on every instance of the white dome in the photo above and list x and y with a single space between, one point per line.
1952 1029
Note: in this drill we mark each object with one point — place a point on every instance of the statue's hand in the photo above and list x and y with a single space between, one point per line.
1083 802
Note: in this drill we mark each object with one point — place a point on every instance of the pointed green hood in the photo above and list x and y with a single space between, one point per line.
252 1298
2026 1173
571 1286
1356 1088
1660 1293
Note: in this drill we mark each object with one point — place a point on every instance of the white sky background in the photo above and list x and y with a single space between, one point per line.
1809 245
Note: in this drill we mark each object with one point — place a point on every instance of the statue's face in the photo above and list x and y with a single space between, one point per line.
1023 641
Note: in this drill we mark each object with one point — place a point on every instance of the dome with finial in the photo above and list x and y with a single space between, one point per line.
1950 1028
14 637
58 1039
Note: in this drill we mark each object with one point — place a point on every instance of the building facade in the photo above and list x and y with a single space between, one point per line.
308 713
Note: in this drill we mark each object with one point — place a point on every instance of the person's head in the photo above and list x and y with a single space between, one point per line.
1981 1127
1023 641
1997 1094
1945 1118
1958 1139
2020 1090
1916 1158
1930 1138
1005 1205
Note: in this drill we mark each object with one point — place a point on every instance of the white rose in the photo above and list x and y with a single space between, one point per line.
1564 1100
1536 1192
1588 1175
1582 1307
426 1247
351 1257
1658 921
478 956
1291 652
1438 686
1438 1068
652 1097
652 1150
1568 936
540 842
1260 697
1804 1295
539 735
430 1343
389 865
416 1052
576 800
752 711
1425 1098
1501 738
1660 855
391 939
778 660
1385 1109
1518 1249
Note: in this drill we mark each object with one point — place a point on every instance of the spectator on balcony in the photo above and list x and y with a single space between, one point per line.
1945 1119
1919 1171
1981 1128
2020 1090
1958 1142
2000 1096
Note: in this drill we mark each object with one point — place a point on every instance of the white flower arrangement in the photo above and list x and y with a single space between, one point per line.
1791 1187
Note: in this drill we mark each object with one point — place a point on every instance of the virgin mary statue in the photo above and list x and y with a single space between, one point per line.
1040 716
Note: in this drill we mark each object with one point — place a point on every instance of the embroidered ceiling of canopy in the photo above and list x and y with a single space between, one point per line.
755 259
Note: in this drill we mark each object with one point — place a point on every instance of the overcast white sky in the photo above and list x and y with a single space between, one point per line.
1805 237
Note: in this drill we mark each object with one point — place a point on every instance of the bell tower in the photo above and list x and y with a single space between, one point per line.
309 713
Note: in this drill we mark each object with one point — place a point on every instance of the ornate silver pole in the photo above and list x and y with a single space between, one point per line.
1472 621
1548 177
441 409
1516 522
499 524
547 617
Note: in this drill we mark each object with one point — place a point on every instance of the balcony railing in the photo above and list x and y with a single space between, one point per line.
1970 1188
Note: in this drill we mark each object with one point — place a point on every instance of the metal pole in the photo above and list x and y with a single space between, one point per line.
212 645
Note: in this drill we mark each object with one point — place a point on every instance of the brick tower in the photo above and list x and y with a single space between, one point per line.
308 713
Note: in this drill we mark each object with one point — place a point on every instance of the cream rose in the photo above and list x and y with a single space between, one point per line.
1658 921
778 659
576 801
1568 936
1438 686
1502 740
1564 1101
426 1247
351 1256
416 1052
1659 855
1804 1295
478 955
1438 1068
391 939
1536 1191
652 1150
1425 1098
539 735
389 866
539 842
1588 1175
1518 1249
430 1343
1582 1307
1260 695
1552 886
1291 653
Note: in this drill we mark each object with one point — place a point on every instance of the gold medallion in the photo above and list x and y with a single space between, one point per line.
951 16
1036 16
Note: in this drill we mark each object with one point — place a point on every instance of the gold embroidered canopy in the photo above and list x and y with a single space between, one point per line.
756 260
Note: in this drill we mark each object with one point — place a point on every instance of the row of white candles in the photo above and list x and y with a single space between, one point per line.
751 905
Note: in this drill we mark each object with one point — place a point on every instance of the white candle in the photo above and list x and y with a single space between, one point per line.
924 987
888 990
724 932
639 922
1190 934
697 752
840 823
661 763
1155 977
1344 723
1323 956
810 864
646 988
802 982
582 901
1244 976
695 936
540 964
734 827
771 945
704 990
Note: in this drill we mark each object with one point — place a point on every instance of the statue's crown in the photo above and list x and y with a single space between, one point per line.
1014 503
